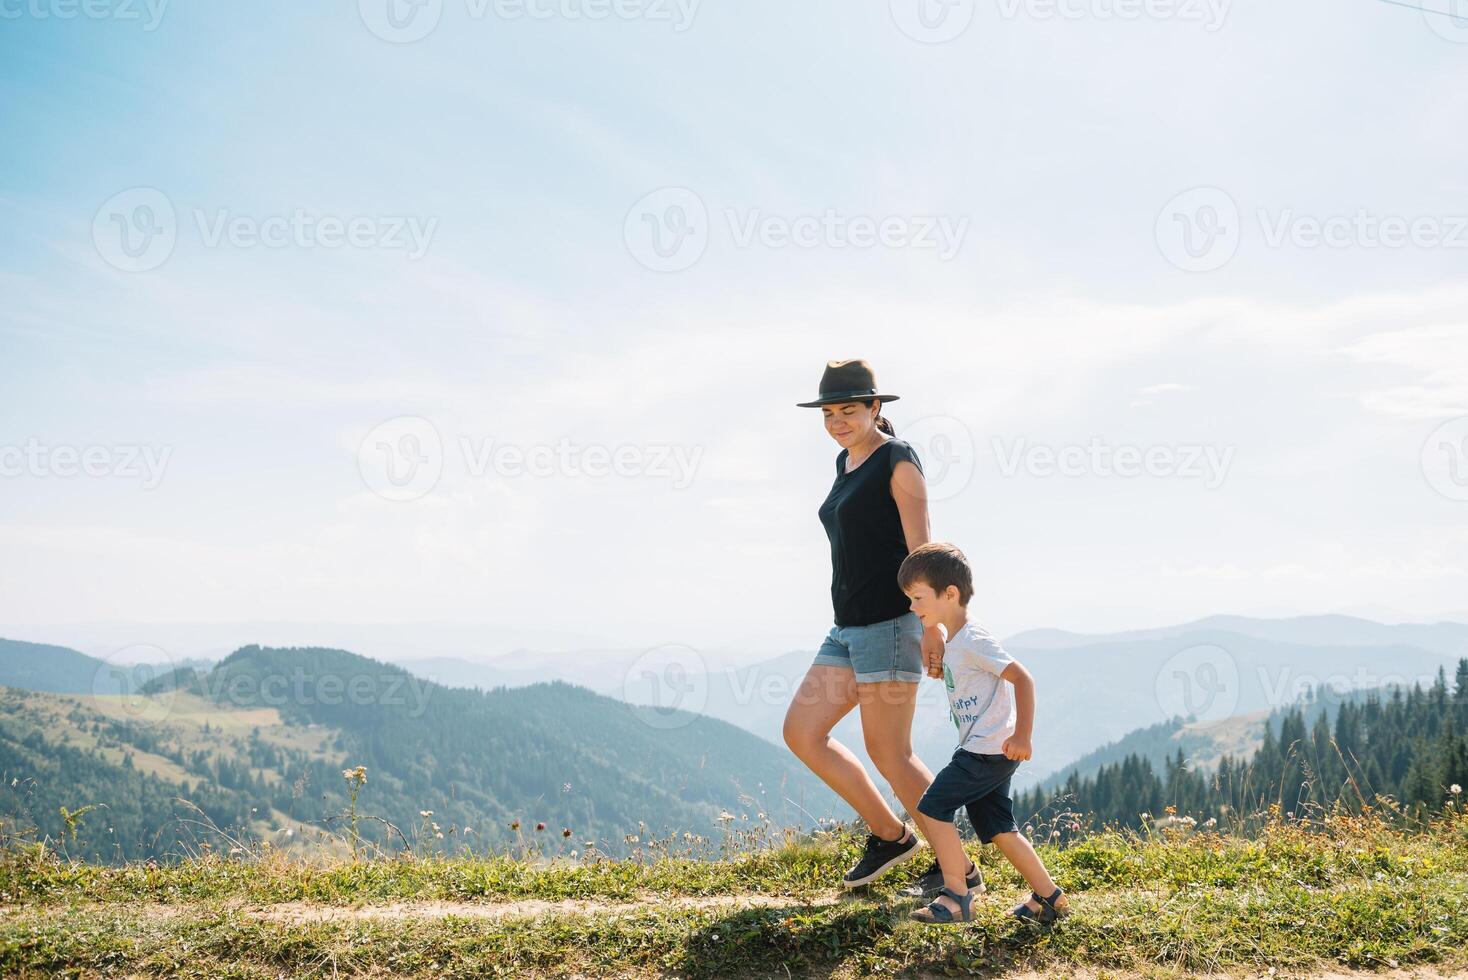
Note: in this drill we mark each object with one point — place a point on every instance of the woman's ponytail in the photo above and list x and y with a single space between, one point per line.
885 424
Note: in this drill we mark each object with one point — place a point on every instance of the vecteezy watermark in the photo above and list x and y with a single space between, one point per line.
945 448
1362 230
122 462
571 459
134 684
1445 459
1200 230
1210 13
1200 682
403 458
137 229
147 12
406 21
300 689
1100 459
1283 686
669 230
932 21
667 686
1448 19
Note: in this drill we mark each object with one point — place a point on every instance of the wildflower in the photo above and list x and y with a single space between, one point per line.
1029 828
1146 814
565 787
468 830
1054 834
574 854
725 816
515 825
1075 827
1455 789
1211 822
540 825
439 836
425 814
290 831
565 831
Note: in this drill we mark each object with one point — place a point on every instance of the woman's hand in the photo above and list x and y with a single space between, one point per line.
933 646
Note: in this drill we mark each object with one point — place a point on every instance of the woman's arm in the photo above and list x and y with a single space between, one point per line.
910 492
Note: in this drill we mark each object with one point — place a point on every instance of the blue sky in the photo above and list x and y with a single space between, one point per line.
1067 149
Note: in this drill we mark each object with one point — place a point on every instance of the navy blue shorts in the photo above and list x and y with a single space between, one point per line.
978 782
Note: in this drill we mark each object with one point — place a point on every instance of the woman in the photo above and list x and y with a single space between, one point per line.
877 651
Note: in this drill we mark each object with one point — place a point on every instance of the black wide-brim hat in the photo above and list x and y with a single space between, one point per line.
848 381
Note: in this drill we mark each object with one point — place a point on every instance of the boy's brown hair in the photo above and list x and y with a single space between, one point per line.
938 565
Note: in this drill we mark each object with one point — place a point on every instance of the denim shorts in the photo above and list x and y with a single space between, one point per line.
891 650
978 782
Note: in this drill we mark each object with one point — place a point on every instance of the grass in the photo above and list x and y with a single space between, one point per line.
1359 892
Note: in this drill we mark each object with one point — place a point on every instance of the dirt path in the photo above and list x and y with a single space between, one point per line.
294 912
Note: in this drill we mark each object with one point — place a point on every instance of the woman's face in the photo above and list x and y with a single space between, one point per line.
850 423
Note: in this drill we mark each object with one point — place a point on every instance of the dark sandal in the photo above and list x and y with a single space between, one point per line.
1048 912
936 914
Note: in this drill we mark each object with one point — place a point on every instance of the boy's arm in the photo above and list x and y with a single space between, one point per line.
1017 746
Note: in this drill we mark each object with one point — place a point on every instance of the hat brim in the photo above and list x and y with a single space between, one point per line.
841 399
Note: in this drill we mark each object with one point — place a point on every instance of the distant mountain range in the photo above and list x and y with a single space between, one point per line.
267 732
541 722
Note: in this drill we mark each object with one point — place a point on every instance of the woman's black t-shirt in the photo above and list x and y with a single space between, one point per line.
867 541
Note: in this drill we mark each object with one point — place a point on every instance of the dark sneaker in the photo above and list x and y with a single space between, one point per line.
880 855
931 882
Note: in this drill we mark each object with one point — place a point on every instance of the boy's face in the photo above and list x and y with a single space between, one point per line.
932 607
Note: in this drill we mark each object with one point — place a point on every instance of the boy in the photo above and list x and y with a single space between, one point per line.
991 699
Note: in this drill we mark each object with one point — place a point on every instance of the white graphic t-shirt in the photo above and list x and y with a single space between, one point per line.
980 702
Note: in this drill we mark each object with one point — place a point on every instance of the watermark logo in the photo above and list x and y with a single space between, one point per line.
400 21
386 689
1362 230
675 463
135 230
36 459
945 446
1200 682
406 21
1199 230
148 12
667 686
1210 464
932 21
121 688
1449 21
1210 13
1445 459
401 459
667 230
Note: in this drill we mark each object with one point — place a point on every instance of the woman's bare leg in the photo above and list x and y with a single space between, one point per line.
825 696
886 726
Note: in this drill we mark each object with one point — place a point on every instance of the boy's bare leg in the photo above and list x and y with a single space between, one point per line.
945 842
1018 851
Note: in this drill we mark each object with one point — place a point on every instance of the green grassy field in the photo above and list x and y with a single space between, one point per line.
1345 893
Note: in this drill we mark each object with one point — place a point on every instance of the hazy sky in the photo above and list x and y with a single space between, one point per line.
496 312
